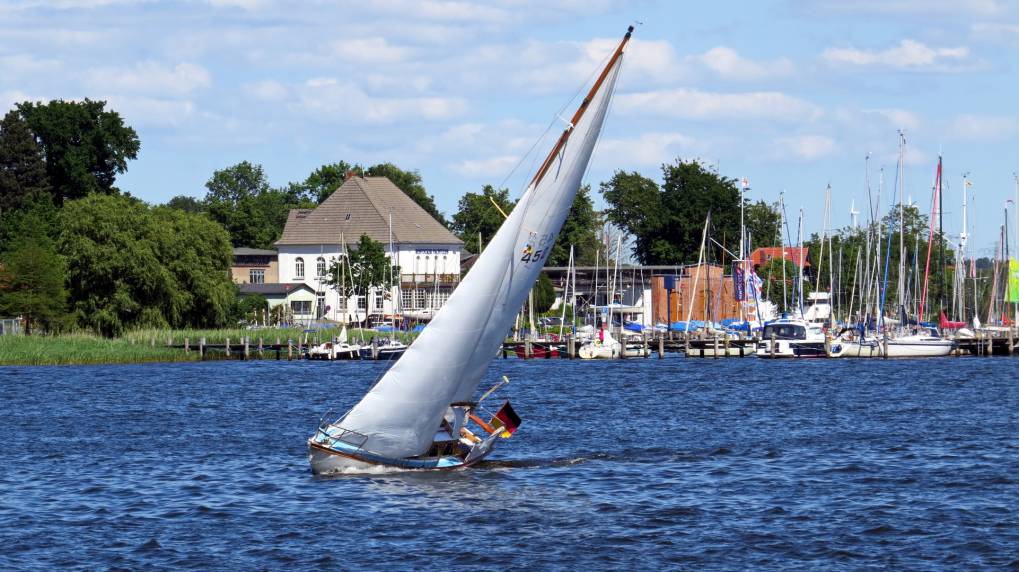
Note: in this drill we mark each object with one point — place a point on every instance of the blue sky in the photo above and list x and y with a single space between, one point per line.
791 94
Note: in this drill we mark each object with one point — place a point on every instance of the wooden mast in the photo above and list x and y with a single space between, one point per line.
580 110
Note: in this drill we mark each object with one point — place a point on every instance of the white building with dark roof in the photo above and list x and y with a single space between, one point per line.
426 252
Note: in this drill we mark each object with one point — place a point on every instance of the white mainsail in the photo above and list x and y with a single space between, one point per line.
402 412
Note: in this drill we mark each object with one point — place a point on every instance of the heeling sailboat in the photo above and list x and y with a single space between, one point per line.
416 416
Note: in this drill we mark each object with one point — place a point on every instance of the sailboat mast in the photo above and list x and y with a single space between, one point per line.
580 110
941 242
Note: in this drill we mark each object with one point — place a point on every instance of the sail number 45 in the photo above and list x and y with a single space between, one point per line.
530 254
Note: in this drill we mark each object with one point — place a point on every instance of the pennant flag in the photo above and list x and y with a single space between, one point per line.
506 419
1013 280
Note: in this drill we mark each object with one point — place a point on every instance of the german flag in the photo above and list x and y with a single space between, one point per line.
506 419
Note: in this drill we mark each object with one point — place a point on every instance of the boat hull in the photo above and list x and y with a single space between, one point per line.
784 349
895 349
538 351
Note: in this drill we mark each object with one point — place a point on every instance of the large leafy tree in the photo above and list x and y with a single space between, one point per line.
477 213
366 267
253 213
22 166
324 180
85 145
580 230
762 223
32 278
666 221
196 251
186 203
133 266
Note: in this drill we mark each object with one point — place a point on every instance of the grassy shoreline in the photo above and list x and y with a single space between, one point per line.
144 346
79 349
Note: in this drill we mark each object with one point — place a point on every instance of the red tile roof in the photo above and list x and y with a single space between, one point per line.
761 256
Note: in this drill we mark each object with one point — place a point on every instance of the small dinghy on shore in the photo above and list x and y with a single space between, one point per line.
417 415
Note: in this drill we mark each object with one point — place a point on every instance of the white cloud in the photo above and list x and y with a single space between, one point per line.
441 10
267 90
491 167
728 64
249 5
997 31
918 7
647 148
150 78
907 55
346 101
984 127
25 64
685 103
151 111
372 50
898 118
806 147
10 97
559 65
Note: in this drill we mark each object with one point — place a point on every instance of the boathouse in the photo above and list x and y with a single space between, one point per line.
427 253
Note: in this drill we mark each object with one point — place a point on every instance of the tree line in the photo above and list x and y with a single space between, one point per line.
79 252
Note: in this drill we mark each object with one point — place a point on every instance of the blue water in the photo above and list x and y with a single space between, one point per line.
696 464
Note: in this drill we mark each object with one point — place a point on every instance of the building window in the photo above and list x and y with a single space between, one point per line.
320 305
300 307
299 268
256 276
361 303
380 301
407 299
320 267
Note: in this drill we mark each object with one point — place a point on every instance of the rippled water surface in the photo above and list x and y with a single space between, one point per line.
675 463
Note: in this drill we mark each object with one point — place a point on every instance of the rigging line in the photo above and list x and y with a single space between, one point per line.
555 118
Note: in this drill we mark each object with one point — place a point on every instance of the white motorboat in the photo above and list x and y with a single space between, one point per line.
791 338
334 351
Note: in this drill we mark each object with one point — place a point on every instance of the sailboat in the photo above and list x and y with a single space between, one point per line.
417 416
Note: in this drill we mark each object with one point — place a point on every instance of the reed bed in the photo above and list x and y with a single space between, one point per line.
268 336
83 349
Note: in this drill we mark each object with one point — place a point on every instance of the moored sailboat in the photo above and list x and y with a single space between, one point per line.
417 415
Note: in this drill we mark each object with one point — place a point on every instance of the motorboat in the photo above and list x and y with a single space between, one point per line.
792 338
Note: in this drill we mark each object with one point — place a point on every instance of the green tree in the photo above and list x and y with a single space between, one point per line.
580 229
367 267
666 221
476 214
22 167
197 253
186 203
248 308
410 183
32 279
324 180
241 199
544 294
762 223
133 266
85 145
771 274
